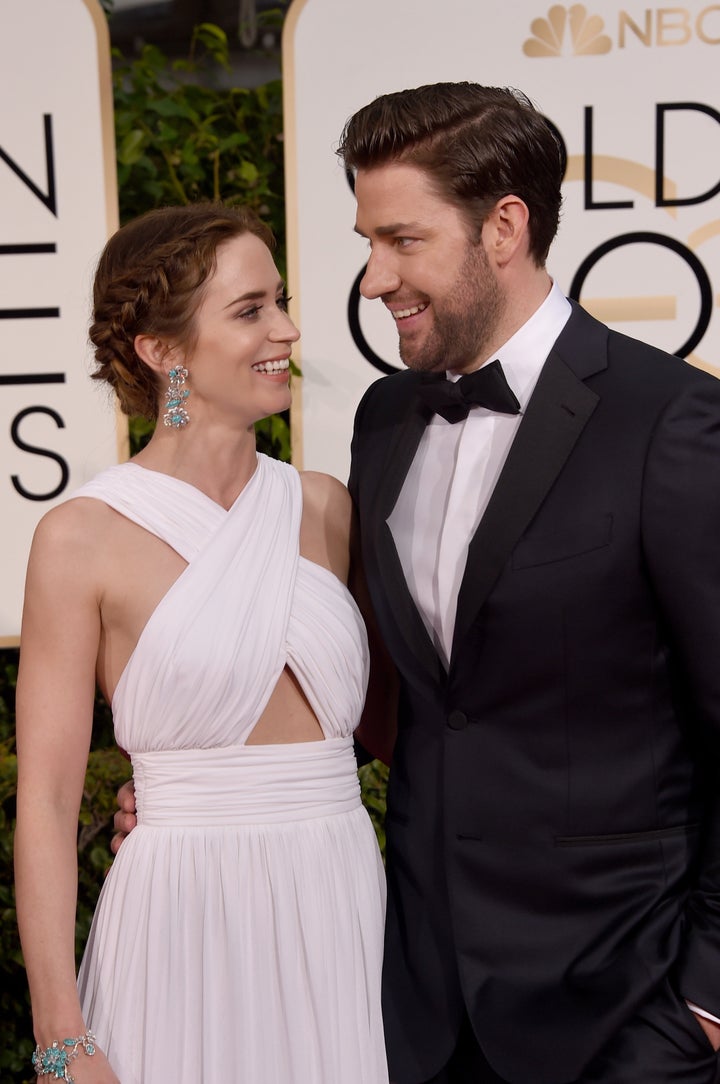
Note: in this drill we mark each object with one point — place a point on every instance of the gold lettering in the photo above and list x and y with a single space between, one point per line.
700 28
670 23
645 35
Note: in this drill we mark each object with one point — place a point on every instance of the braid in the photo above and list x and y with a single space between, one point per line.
112 333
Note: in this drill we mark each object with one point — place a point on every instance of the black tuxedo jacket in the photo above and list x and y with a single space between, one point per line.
553 839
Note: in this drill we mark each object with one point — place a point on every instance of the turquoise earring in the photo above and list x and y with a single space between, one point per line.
176 416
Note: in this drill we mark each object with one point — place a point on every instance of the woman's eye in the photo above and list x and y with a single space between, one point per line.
249 313
283 301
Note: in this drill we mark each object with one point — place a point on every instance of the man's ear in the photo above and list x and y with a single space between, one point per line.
505 230
153 352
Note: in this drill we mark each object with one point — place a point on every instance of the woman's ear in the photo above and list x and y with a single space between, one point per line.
153 352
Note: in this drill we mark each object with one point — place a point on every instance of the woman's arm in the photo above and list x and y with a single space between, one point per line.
55 694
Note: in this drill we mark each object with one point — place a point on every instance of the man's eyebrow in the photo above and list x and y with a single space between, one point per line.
393 228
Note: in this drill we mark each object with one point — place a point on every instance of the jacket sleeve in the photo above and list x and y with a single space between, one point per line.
681 538
355 450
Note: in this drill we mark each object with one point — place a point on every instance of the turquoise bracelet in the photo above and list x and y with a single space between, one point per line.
55 1059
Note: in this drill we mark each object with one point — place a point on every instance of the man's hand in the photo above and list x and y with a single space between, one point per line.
711 1029
124 820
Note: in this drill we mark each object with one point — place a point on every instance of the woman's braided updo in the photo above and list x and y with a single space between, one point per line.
149 281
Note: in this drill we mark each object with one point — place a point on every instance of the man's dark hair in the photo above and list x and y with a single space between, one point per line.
477 144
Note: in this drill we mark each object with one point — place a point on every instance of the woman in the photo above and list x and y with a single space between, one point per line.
238 934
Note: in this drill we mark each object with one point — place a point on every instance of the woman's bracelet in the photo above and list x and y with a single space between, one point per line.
55 1059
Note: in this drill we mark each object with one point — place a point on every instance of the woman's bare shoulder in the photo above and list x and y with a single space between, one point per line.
77 523
326 522
324 491
71 548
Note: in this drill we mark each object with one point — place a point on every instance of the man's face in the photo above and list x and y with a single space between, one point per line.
437 284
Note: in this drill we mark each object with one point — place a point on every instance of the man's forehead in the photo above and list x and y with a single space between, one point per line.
394 198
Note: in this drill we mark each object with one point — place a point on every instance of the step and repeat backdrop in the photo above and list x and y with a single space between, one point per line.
58 205
632 89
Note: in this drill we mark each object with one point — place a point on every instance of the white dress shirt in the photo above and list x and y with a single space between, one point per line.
454 473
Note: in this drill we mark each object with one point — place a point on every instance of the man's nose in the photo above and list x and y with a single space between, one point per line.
381 276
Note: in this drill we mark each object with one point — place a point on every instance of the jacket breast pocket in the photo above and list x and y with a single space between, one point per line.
619 838
573 541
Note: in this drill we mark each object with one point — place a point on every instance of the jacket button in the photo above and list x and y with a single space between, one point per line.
457 720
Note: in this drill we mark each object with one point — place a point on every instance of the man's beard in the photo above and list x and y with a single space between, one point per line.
464 328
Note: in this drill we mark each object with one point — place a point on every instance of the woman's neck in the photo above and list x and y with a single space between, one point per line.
219 464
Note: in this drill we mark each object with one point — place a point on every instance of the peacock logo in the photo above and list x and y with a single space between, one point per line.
549 34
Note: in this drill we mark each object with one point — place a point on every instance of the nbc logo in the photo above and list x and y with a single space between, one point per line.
586 33
571 31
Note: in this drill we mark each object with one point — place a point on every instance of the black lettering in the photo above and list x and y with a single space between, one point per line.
33 313
703 280
29 314
32 378
356 331
590 204
684 201
48 198
33 449
26 250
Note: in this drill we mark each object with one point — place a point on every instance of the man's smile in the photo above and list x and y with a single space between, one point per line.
402 314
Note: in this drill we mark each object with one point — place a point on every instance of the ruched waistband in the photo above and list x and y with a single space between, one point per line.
246 784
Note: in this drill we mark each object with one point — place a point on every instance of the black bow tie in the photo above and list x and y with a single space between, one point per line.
485 387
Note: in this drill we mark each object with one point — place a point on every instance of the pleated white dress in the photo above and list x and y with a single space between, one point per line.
238 935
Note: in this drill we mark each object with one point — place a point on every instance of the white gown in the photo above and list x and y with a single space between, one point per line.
238 935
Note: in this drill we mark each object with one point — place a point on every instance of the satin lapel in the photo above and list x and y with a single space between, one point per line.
555 417
412 643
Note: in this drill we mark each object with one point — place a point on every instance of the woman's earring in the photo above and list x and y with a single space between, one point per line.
176 416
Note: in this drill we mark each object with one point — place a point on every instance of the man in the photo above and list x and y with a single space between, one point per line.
545 573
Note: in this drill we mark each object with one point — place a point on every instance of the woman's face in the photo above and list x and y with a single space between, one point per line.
239 361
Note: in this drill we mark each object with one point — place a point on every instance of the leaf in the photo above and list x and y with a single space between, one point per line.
171 107
236 139
214 40
249 173
188 155
167 133
130 150
211 32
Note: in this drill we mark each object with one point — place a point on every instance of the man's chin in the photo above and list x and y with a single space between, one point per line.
415 367
420 363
